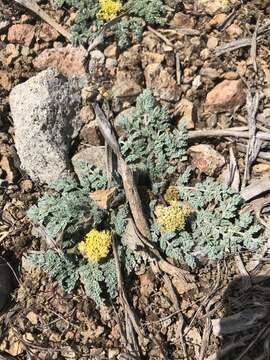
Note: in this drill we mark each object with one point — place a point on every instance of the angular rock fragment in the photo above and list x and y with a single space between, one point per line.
161 83
226 96
126 84
206 159
21 34
45 111
68 60
93 155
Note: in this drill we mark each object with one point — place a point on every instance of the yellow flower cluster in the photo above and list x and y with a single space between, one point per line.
96 244
172 194
108 9
171 218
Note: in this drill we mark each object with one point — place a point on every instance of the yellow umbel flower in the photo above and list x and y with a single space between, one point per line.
96 244
108 9
171 194
171 218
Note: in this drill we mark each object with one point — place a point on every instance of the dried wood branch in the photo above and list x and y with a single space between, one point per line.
241 43
255 189
195 134
160 36
253 49
99 39
234 176
253 144
124 300
36 9
134 199
175 302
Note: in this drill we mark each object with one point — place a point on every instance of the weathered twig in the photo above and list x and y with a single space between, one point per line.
178 68
253 49
175 302
255 189
134 199
101 33
195 134
35 8
254 143
122 294
238 44
234 177
162 37
228 21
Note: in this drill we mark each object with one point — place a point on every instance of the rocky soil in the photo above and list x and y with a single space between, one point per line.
198 67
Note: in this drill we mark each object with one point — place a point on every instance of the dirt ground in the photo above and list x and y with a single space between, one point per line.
42 322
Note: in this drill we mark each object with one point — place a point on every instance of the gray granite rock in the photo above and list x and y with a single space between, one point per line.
45 110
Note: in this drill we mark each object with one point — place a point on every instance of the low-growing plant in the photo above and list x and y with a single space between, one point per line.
93 14
216 224
187 222
150 140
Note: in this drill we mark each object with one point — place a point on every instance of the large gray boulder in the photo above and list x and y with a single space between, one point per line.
45 110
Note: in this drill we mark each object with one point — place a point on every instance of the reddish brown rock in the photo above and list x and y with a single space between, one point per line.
103 198
21 34
182 20
91 135
47 33
231 75
130 59
234 31
126 84
226 95
149 57
5 80
185 111
111 51
213 6
162 83
68 60
87 114
206 159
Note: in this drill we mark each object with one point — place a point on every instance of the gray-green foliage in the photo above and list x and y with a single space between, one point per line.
216 227
149 138
94 275
59 266
68 205
85 18
150 11
67 270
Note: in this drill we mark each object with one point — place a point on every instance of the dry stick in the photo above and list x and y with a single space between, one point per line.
228 21
35 8
205 338
100 35
174 299
255 189
162 37
194 134
178 68
134 199
264 155
246 281
253 144
234 178
238 44
253 49
122 293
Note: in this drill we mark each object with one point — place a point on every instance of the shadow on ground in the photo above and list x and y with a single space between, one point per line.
245 327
